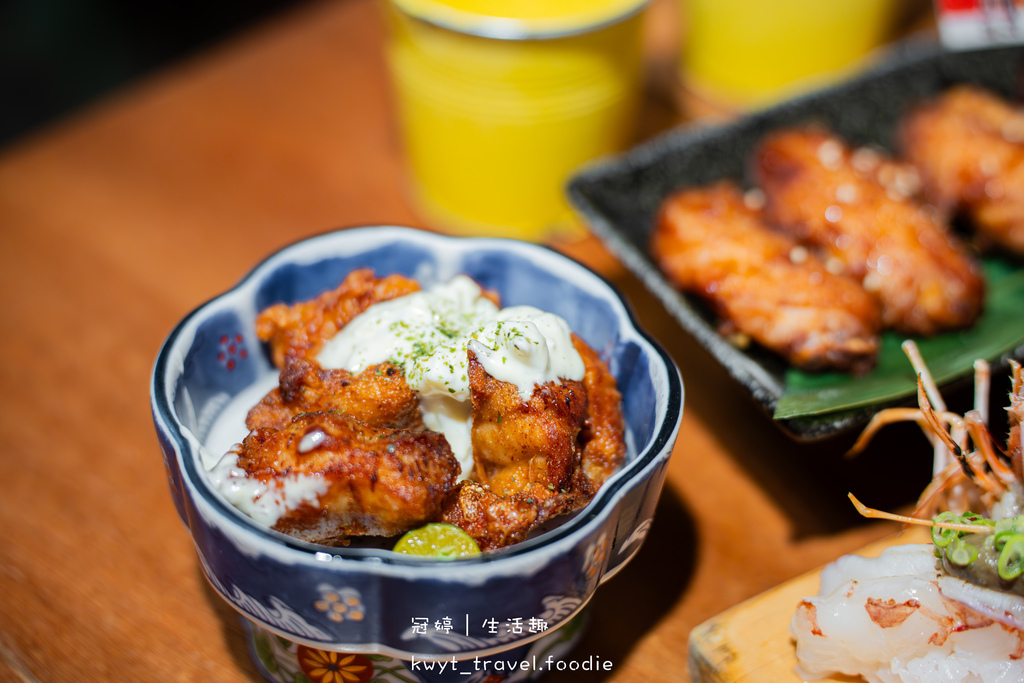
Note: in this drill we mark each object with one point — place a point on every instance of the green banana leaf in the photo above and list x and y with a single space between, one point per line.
998 331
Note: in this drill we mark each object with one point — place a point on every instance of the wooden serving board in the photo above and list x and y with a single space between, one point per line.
750 642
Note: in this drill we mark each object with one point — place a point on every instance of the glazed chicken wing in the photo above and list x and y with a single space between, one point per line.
378 396
900 253
763 284
376 482
968 145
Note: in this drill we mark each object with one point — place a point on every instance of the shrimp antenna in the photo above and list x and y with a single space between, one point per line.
917 360
872 513
982 388
926 386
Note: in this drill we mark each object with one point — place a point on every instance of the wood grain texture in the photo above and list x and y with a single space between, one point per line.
751 642
118 221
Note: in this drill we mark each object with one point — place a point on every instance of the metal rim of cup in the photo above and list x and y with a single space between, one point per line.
506 28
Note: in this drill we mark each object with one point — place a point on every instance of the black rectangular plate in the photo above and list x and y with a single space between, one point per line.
619 197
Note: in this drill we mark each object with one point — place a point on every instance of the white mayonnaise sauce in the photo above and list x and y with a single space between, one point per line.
264 502
429 333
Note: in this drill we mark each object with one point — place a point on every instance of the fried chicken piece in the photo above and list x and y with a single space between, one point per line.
539 458
381 482
496 521
300 330
899 252
517 442
968 145
378 396
535 459
601 437
707 241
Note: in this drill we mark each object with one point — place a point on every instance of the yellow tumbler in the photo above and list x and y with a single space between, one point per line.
742 54
499 101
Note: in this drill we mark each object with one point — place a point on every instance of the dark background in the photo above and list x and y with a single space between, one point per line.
59 55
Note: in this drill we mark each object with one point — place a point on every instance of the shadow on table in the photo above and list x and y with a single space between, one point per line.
633 601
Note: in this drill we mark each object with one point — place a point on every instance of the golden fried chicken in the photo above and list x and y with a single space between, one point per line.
300 330
539 458
378 482
968 145
532 459
497 521
601 436
765 286
517 442
378 396
899 252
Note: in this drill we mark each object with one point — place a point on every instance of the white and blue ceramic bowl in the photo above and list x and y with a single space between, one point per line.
377 602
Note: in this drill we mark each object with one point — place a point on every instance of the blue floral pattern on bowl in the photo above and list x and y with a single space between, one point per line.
374 601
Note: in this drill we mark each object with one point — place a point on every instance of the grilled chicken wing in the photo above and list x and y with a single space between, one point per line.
379 482
968 145
762 283
900 253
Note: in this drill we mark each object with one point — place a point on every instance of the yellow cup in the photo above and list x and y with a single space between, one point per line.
499 101
742 54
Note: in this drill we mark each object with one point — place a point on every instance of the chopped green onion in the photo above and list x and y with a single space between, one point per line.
961 553
1006 528
974 518
940 536
1011 558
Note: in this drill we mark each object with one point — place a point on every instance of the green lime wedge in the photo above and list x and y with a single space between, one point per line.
437 539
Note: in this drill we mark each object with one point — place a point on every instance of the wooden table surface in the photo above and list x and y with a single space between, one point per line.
119 220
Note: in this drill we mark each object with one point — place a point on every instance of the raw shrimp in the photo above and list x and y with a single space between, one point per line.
918 612
898 618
